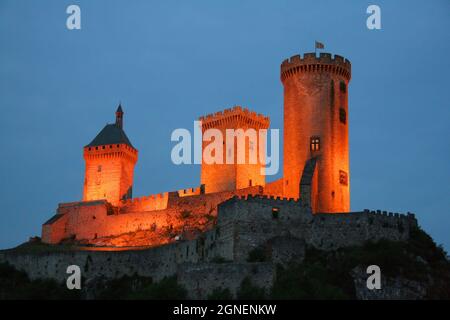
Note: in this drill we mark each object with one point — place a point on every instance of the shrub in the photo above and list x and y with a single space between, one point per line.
247 291
307 281
167 289
257 255
220 293
15 285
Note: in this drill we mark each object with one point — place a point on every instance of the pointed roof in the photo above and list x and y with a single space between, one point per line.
119 108
110 134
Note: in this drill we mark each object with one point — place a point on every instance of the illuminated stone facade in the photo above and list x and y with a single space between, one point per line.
110 160
235 175
316 165
316 127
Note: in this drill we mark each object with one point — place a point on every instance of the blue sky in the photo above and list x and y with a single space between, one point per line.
169 62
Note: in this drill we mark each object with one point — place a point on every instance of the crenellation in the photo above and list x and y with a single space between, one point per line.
233 114
145 203
311 63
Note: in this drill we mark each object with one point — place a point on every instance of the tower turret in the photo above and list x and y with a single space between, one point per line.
316 127
119 117
110 159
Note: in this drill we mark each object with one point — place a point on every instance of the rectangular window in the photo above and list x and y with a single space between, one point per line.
343 178
343 87
315 143
99 169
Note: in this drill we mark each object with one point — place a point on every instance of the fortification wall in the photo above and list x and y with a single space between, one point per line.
191 191
54 232
97 219
243 224
331 231
146 203
156 263
181 259
256 219
275 188
203 279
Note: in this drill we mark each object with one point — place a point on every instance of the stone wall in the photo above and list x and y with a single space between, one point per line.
89 220
281 227
256 219
204 278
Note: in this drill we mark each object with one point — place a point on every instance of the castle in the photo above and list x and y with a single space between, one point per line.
315 168
191 232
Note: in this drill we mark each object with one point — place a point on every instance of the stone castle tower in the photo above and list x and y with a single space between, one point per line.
238 175
110 159
316 129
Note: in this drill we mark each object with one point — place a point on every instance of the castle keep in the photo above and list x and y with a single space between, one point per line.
316 128
315 183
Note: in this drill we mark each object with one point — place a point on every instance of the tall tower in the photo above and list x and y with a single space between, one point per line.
236 175
316 127
110 160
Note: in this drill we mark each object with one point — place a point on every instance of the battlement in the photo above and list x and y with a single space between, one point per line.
235 114
110 151
408 216
326 62
81 203
281 202
264 199
146 203
191 191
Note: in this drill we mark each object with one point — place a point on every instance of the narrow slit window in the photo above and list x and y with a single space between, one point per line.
343 115
343 87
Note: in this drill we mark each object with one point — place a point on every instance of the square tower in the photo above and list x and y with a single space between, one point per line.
110 159
243 147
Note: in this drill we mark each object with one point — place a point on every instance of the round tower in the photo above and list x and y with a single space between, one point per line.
316 127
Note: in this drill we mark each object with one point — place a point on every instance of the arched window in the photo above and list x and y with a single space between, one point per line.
315 143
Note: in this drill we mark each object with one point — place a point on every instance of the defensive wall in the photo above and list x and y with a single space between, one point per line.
244 223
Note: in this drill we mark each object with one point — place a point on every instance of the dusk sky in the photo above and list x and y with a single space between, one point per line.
169 62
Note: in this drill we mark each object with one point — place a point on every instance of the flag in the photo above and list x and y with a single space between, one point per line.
319 45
